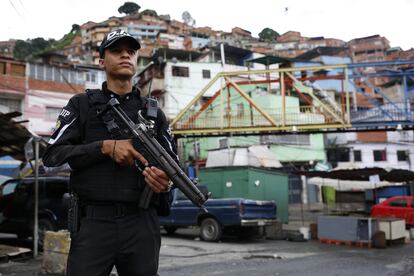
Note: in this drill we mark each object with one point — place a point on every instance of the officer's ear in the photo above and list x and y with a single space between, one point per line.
102 63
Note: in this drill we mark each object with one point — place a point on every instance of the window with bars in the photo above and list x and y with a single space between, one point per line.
49 73
40 72
292 139
9 105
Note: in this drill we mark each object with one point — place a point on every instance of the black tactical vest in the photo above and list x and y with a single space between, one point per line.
106 181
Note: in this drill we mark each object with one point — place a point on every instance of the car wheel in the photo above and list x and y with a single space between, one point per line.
170 229
44 225
210 230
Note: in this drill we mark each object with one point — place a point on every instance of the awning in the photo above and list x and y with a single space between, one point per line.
348 185
269 60
363 174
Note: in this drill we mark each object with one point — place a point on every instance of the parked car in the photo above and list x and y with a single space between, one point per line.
230 215
17 206
396 207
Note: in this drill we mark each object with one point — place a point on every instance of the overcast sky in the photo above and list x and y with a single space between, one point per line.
342 19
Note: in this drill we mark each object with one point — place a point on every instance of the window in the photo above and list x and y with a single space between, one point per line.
52 113
357 156
223 143
206 74
49 73
380 155
402 155
39 72
17 70
9 105
398 203
338 155
291 139
180 71
56 75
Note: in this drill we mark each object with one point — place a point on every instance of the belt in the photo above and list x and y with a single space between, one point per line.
117 210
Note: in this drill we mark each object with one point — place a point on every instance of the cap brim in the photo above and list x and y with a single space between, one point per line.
133 41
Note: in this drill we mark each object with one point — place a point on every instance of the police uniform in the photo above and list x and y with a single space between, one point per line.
113 230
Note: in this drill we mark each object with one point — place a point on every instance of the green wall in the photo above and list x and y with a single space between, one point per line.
315 151
272 104
272 185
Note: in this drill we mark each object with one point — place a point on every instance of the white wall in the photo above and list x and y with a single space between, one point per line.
36 104
367 156
181 90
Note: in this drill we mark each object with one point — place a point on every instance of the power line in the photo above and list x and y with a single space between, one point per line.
14 7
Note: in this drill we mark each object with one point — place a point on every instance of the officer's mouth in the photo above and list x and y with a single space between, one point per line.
125 64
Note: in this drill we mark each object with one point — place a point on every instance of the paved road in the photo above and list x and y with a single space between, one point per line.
184 254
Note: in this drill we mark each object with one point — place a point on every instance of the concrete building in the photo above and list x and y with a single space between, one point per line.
388 150
49 87
7 48
368 49
12 84
292 44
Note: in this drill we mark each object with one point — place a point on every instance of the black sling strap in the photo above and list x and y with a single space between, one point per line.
99 100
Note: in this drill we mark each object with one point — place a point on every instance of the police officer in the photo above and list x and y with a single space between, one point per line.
113 230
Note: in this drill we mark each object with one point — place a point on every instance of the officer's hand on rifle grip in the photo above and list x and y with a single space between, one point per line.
156 179
122 152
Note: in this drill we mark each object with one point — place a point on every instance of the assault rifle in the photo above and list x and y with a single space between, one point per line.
157 155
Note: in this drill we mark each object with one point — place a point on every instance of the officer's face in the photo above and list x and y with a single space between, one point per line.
120 60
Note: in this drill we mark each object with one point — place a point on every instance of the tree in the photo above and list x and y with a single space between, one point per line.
25 49
22 49
268 34
75 28
129 8
188 19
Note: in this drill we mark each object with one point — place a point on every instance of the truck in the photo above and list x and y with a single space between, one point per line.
244 217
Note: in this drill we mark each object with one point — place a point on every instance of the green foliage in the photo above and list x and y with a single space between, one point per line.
129 8
65 40
26 49
30 47
22 49
268 34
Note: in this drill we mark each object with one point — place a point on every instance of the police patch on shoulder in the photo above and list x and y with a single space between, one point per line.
66 115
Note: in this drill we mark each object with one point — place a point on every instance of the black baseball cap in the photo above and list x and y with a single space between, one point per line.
115 36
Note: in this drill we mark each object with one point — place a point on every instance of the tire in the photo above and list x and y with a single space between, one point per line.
210 230
170 229
44 224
